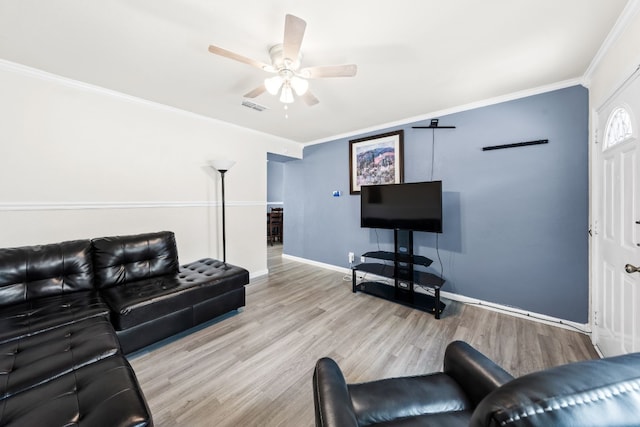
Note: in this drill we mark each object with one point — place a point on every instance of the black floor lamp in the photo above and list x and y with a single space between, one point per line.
222 166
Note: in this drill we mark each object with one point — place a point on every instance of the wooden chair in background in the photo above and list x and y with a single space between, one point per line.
275 225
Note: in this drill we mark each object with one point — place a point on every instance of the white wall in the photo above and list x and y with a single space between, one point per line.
78 161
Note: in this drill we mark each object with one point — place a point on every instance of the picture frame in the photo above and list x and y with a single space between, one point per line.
377 159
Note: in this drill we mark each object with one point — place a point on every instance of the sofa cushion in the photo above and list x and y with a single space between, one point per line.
393 399
34 360
105 393
146 300
30 272
42 314
123 259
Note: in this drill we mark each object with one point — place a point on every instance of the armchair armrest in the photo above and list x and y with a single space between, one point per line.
331 396
476 374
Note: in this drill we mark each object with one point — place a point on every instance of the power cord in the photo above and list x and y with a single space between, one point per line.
439 258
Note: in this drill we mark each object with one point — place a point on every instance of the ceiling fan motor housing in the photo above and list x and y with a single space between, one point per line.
276 52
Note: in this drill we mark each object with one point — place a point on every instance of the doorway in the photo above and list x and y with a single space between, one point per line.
276 197
616 225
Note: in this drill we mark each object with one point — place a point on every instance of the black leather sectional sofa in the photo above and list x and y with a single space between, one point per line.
70 311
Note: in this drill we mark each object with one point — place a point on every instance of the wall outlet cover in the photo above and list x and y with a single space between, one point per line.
336 193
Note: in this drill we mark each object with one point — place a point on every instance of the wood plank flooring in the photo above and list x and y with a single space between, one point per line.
254 368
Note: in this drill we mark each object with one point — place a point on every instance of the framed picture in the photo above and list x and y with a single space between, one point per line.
376 160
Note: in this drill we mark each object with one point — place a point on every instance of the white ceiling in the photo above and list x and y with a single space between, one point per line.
414 57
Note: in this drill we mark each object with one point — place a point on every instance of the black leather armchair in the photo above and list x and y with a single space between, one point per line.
474 391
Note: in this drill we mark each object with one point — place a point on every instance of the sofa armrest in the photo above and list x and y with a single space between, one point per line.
476 374
331 396
596 393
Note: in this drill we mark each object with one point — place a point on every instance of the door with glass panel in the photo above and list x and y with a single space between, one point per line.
616 222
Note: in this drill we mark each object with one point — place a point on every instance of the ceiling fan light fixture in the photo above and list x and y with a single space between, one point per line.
273 84
300 86
286 97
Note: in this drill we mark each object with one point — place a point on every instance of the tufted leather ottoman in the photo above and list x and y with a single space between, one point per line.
147 310
148 299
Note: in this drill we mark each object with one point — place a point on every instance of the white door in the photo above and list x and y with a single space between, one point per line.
616 222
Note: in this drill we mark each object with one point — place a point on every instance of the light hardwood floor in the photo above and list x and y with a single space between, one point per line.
254 368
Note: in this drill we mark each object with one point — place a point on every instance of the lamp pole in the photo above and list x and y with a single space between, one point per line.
224 227
223 167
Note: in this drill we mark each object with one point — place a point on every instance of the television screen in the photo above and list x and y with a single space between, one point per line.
413 206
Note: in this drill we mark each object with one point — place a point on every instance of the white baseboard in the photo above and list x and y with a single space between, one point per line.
259 273
512 311
317 264
584 328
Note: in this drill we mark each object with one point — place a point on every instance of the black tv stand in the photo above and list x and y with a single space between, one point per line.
404 276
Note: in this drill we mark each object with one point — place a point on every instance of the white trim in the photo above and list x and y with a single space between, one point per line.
458 109
59 206
317 263
76 84
629 11
256 274
511 311
600 353
618 89
44 75
585 328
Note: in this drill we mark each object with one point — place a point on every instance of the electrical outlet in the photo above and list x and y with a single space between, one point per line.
352 257
362 259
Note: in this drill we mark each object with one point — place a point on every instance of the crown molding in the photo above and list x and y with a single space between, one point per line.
458 109
628 13
76 84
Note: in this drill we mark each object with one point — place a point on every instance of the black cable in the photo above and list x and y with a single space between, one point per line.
439 259
433 151
433 156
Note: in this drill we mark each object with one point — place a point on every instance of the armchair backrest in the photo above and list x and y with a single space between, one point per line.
31 272
594 393
123 259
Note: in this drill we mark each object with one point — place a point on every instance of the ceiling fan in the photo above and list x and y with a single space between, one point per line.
285 63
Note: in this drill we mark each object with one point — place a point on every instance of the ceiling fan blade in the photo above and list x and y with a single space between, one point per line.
237 57
310 99
255 92
293 33
348 70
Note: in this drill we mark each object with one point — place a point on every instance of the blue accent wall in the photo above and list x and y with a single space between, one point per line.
515 220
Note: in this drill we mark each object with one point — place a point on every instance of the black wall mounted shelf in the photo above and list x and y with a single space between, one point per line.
433 127
517 144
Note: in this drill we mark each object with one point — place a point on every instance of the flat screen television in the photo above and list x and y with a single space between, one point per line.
415 206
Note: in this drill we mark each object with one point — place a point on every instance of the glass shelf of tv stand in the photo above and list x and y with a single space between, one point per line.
419 277
405 258
405 296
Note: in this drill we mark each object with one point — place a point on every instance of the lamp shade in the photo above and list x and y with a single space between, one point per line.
286 96
299 85
222 165
272 84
